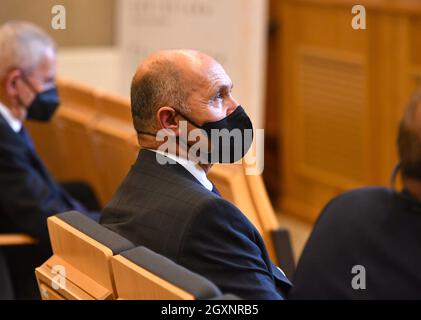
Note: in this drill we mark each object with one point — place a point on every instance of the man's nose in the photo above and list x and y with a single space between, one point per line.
233 104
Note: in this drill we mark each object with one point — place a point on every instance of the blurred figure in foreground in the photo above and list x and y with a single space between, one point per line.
367 243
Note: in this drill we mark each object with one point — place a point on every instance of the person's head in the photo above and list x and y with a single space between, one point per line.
171 84
409 139
27 65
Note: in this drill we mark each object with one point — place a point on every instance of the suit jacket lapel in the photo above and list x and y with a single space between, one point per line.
35 160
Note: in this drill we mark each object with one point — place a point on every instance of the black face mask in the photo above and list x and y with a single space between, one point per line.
232 139
44 104
234 136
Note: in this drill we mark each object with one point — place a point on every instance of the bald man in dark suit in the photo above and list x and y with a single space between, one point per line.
166 202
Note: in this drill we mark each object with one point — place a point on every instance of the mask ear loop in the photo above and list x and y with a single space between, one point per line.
188 119
154 134
141 132
394 175
182 142
28 83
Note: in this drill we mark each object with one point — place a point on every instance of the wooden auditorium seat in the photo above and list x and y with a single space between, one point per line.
141 274
274 235
114 143
80 266
248 193
47 142
74 121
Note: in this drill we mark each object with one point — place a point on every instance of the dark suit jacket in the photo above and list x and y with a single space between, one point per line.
377 228
28 196
164 208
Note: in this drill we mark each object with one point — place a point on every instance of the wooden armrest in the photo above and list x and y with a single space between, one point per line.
15 239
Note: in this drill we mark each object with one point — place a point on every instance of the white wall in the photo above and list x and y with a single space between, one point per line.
233 31
98 67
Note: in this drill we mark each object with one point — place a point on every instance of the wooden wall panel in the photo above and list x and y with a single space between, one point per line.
271 174
343 94
330 110
88 23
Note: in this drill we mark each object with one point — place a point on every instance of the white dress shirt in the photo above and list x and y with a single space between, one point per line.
14 123
195 169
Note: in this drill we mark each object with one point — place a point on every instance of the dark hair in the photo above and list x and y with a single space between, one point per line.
161 85
409 139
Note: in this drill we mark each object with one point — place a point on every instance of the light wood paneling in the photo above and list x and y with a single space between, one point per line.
343 94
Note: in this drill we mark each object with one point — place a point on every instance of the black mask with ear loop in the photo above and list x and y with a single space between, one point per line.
229 149
44 104
405 196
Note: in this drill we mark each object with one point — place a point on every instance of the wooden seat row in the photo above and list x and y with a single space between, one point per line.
90 262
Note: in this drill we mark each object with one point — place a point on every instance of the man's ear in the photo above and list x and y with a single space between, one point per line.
166 117
10 83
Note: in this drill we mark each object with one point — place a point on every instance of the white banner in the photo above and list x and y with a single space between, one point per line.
232 31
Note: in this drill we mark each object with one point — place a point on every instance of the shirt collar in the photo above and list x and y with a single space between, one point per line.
14 123
195 169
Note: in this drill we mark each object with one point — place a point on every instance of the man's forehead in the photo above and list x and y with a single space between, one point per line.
219 76
212 73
